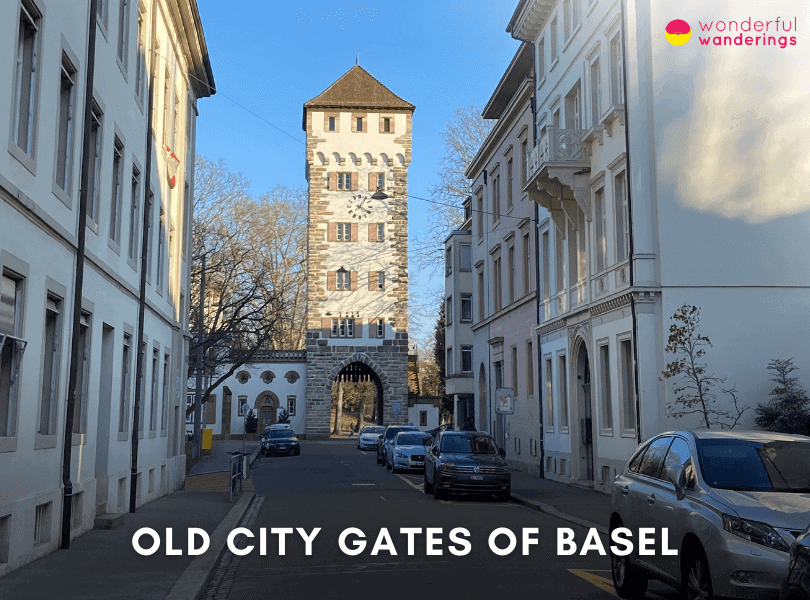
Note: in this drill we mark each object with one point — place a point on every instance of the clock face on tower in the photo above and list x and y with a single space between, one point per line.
358 206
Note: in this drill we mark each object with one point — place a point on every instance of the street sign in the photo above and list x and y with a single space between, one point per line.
245 408
396 408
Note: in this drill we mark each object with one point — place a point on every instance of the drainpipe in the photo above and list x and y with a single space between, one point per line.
631 249
75 351
140 354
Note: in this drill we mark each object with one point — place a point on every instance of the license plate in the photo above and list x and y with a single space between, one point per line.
477 477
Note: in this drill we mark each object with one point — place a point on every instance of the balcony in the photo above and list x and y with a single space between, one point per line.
560 148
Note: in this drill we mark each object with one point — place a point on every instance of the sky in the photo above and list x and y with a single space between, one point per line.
269 57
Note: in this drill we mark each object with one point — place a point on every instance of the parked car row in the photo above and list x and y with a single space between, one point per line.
737 508
467 462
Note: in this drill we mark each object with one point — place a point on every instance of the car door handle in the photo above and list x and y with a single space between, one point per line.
651 498
624 489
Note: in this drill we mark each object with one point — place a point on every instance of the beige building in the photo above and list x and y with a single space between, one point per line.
44 58
358 143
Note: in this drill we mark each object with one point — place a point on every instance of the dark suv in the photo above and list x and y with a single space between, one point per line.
386 437
467 461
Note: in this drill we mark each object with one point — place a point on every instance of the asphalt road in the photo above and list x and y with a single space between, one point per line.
334 486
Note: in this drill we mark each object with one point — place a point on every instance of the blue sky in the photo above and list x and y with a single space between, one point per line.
270 57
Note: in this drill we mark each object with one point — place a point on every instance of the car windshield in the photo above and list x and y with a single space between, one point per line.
469 444
392 431
414 439
777 466
282 433
372 430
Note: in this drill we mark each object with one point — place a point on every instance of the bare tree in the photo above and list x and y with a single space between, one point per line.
251 269
694 388
463 135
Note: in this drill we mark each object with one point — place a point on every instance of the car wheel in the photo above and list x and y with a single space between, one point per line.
503 496
428 487
630 583
388 465
697 583
438 494
298 453
378 458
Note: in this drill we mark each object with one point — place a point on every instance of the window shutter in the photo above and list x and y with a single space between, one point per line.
332 181
358 328
331 229
372 329
354 280
354 181
326 327
372 281
331 281
372 232
355 232
371 182
382 123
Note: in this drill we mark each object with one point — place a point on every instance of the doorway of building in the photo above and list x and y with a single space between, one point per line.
583 391
357 400
267 409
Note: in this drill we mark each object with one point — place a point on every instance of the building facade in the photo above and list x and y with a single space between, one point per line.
44 55
358 144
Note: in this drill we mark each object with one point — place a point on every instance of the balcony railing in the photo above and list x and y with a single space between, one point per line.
559 146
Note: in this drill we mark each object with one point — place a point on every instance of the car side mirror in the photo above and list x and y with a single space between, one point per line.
502 452
379 437
677 476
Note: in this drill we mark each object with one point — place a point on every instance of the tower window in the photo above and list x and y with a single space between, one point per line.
387 125
331 123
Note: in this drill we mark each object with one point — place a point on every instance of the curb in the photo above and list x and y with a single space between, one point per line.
193 580
548 509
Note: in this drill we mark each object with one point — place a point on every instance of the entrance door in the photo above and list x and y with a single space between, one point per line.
268 416
585 414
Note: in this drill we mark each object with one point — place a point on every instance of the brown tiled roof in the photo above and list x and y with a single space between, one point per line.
357 88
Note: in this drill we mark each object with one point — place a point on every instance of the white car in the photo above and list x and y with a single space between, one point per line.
408 450
367 440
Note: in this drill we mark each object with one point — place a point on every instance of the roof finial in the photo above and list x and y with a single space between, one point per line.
357 58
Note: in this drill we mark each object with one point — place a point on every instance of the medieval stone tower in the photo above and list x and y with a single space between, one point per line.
358 146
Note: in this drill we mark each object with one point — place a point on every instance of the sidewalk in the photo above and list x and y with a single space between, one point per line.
581 505
220 460
103 564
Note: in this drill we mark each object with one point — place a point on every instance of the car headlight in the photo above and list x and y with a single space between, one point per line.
502 470
756 532
447 467
400 454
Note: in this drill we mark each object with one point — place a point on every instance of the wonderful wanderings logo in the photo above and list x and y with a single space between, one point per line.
733 33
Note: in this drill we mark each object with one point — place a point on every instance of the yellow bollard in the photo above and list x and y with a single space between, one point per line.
207 438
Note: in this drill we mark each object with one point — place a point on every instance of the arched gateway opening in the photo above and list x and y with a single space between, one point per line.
357 398
266 407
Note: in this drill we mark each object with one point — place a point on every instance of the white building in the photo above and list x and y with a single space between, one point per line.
41 113
652 195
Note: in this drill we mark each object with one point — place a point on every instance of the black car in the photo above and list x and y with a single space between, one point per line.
386 437
280 441
467 461
797 584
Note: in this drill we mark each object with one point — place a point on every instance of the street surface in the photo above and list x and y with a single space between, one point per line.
334 486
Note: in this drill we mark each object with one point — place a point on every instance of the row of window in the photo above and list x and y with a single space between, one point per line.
12 349
209 415
348 181
513 276
359 123
557 396
495 188
464 259
499 367
347 281
351 328
349 232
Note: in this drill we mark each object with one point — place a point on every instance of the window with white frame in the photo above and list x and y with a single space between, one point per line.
342 327
567 27
117 190
496 200
167 87
509 203
123 408
12 347
481 295
529 370
448 310
541 59
165 394
66 124
466 359
386 124
600 229
190 408
512 267
123 32
82 376
497 285
562 389
628 386
548 375
343 280
176 121
153 413
380 328
344 181
344 232
466 257
596 92
480 214
616 70
604 388
291 406
134 219
380 280
331 126
466 308
50 366
25 77
94 142
514 374
102 12
552 34
559 260
573 108
140 59
150 212
546 266
527 264
449 367
448 261
622 217
380 181
380 232
161 248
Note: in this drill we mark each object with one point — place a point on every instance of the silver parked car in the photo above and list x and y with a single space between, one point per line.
733 502
797 584
368 437
407 451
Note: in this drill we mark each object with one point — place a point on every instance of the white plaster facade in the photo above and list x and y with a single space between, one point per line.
39 210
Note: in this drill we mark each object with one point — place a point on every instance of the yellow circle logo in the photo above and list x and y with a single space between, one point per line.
678 32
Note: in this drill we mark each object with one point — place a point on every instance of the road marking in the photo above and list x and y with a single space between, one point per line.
410 483
383 497
604 584
364 484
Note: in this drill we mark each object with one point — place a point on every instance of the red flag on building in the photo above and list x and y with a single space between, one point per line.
172 165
